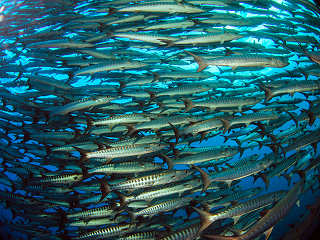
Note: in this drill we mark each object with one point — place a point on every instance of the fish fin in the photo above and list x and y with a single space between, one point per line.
201 63
226 124
105 190
112 11
167 160
218 237
169 43
132 216
205 178
203 135
204 218
235 219
131 129
228 182
268 233
298 203
228 52
311 116
234 68
188 105
176 132
83 154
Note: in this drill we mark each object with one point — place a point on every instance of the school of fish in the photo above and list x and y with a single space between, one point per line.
141 120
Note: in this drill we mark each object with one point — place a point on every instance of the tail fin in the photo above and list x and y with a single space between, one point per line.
83 154
188 105
201 63
205 218
205 178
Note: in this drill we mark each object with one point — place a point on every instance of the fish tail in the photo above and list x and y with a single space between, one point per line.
123 198
169 43
105 190
112 11
311 116
201 62
218 237
83 154
205 178
188 105
131 129
226 124
167 160
176 132
156 76
204 218
132 216
267 92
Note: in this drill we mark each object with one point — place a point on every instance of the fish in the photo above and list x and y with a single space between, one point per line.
266 223
240 61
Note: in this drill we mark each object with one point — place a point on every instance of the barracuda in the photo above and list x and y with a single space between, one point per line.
240 61
151 38
165 206
126 167
150 180
209 38
248 119
106 211
176 188
80 105
108 232
239 209
266 223
122 151
239 170
160 7
221 102
109 66
206 156
60 44
291 88
121 119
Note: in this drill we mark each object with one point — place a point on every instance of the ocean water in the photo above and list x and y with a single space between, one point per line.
59 57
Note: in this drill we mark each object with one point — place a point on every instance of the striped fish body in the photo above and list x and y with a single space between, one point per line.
280 210
140 236
61 179
125 151
80 105
166 191
163 207
223 102
151 38
206 125
105 211
108 232
253 117
152 180
291 88
109 66
125 118
60 44
190 232
240 209
184 90
210 38
301 142
241 170
206 156
126 167
161 7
